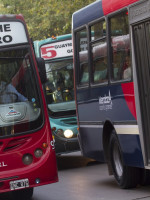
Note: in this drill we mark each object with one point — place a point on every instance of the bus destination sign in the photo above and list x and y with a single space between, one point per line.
12 33
57 50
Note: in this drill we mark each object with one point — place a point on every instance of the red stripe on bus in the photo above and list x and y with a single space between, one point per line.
128 91
114 5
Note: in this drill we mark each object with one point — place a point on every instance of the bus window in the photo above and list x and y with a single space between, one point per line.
59 86
99 52
120 46
98 30
17 86
83 57
84 71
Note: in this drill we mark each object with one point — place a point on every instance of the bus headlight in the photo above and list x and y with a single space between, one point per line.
68 133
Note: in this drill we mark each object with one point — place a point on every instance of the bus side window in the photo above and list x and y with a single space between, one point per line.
120 45
83 71
100 70
99 52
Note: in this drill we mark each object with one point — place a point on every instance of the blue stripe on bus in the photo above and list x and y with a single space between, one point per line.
88 14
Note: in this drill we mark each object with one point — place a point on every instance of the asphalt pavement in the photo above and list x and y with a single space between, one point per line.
81 178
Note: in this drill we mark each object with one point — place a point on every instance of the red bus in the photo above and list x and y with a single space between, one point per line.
27 154
112 76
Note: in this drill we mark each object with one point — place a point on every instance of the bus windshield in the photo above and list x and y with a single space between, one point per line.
60 86
19 103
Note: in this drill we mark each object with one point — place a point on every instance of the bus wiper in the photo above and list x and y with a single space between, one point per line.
12 57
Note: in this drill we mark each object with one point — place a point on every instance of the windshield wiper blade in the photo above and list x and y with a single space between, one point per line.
12 57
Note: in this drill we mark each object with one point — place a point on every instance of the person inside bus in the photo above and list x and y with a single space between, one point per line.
60 81
8 93
60 85
68 94
49 87
127 68
58 95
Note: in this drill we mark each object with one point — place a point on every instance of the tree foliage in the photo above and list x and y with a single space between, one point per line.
44 18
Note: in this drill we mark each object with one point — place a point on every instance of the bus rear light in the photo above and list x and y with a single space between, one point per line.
45 145
27 159
38 153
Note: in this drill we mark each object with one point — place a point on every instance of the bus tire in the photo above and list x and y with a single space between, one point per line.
23 194
145 177
126 177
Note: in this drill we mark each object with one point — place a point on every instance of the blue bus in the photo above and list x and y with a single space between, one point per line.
59 90
112 86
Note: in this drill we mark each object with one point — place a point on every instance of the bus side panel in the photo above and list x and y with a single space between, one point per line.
116 104
103 103
131 149
91 142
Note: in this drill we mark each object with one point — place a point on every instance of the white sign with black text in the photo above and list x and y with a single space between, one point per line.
12 33
57 50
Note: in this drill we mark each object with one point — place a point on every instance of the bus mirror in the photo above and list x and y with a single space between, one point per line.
42 70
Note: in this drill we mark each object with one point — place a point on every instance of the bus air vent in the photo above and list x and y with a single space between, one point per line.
72 121
13 144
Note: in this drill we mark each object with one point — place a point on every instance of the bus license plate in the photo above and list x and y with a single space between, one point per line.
19 184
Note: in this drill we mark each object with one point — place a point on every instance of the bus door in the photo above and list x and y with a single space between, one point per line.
140 25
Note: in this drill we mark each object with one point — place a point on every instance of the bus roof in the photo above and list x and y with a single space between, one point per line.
54 39
87 14
12 17
98 9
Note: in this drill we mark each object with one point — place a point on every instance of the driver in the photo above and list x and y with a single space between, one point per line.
8 93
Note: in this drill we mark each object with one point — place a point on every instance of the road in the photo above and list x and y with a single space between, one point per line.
83 179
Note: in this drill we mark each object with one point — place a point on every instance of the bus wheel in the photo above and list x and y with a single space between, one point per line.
126 177
24 194
145 177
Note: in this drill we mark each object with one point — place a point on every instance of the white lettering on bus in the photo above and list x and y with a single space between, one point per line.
105 103
53 144
2 164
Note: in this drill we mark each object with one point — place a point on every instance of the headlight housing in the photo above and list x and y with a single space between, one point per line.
68 133
60 132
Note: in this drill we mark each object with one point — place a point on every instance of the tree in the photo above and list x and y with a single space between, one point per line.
45 18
